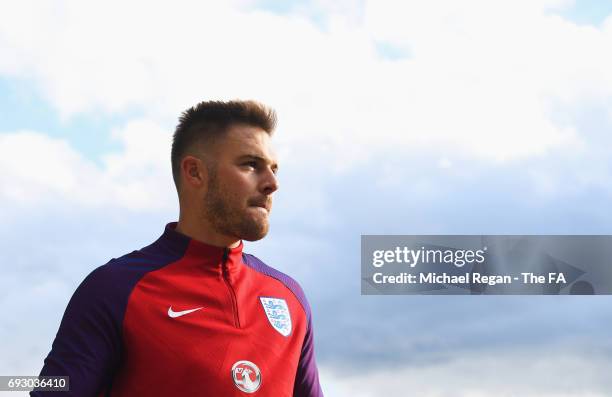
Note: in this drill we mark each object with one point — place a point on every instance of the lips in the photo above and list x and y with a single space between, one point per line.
265 204
262 206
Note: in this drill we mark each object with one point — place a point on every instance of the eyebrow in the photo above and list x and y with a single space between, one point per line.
260 159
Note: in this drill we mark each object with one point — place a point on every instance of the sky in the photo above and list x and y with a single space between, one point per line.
438 117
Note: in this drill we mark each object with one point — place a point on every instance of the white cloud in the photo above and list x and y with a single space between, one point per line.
479 81
39 170
35 166
533 373
483 81
141 173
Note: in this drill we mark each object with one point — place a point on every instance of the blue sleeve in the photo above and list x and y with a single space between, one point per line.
307 376
87 347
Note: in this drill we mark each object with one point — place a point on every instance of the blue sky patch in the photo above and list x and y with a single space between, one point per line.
587 12
22 108
391 52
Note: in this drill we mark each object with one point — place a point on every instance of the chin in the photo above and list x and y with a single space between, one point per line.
254 237
255 232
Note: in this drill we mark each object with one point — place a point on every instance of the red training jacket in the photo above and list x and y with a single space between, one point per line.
180 317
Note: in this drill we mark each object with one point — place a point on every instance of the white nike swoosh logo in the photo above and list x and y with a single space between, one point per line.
173 314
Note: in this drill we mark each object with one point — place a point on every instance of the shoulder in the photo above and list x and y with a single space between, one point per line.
258 265
116 279
129 268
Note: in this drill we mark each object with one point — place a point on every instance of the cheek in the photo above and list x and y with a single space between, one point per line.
245 184
240 186
238 192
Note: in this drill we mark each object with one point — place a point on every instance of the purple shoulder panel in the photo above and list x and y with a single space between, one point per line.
88 345
255 263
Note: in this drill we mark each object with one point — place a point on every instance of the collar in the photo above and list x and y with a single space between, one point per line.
202 254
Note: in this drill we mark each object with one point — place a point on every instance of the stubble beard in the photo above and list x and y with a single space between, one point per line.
226 218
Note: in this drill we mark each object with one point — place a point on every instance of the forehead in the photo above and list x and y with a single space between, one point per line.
241 140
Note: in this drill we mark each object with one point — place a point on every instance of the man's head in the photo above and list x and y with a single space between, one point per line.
224 168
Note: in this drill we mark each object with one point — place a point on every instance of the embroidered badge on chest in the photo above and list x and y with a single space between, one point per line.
278 314
246 376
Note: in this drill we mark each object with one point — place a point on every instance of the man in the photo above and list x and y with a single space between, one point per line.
191 314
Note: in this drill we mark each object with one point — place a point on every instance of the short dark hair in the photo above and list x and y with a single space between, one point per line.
211 119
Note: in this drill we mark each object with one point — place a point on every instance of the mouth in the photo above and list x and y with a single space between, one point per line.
260 212
266 205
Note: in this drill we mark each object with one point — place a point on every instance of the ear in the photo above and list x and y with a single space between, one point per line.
194 173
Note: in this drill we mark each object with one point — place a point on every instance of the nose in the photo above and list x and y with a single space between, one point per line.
269 183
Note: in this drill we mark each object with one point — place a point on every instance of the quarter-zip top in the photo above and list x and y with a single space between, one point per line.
232 294
181 317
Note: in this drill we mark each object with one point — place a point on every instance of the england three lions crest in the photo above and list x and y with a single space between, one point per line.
278 314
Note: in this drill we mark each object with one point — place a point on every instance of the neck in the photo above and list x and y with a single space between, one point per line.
202 231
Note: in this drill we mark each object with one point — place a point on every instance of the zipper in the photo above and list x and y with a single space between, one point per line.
232 293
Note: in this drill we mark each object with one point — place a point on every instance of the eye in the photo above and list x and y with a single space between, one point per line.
250 164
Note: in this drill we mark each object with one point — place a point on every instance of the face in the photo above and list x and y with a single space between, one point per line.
241 181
